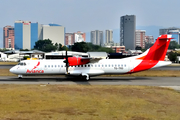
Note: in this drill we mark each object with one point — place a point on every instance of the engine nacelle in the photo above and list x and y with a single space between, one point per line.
73 61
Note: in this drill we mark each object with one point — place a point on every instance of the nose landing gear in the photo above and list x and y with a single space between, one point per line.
20 76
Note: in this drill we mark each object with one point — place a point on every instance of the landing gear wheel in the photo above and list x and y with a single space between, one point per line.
85 76
20 76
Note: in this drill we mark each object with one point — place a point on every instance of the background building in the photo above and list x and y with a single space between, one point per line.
97 37
175 32
118 49
127 31
79 37
72 38
54 32
26 34
149 39
8 37
109 36
69 38
140 38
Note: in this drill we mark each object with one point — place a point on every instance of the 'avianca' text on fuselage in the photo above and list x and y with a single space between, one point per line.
80 66
34 71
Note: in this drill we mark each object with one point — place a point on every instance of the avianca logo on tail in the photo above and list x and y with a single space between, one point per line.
35 71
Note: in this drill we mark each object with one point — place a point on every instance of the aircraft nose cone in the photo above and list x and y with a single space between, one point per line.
12 70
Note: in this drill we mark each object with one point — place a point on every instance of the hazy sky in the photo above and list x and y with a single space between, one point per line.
87 15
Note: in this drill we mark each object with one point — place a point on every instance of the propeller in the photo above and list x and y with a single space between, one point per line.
67 63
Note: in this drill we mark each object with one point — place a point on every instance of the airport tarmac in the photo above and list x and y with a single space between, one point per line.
171 82
149 81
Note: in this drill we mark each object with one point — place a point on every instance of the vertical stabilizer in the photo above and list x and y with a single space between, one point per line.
153 55
159 49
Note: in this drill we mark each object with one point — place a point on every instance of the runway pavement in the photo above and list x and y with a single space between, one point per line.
171 82
149 81
6 66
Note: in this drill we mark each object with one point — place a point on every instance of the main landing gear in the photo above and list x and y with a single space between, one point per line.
85 76
20 76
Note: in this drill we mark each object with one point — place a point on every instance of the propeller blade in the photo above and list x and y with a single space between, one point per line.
67 63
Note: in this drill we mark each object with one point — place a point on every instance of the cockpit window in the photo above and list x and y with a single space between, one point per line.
22 64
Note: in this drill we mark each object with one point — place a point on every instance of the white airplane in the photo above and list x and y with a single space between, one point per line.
87 67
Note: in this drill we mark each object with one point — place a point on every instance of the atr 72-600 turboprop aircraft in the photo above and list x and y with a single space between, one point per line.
86 67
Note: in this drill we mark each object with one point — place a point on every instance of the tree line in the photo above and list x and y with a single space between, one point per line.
47 46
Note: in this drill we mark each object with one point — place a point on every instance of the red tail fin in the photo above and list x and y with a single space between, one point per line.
159 49
155 54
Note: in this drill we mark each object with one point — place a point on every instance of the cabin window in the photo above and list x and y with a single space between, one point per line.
102 65
124 65
88 65
51 65
81 65
58 65
84 65
112 65
78 65
45 66
48 65
92 65
98 65
54 65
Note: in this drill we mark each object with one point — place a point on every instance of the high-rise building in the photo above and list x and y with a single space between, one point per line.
79 37
54 32
69 38
109 36
149 39
127 31
26 34
175 32
8 37
97 37
140 38
72 38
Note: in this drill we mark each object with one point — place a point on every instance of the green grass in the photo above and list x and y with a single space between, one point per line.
78 102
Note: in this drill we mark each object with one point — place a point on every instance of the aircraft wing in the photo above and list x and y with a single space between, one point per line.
91 60
94 60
